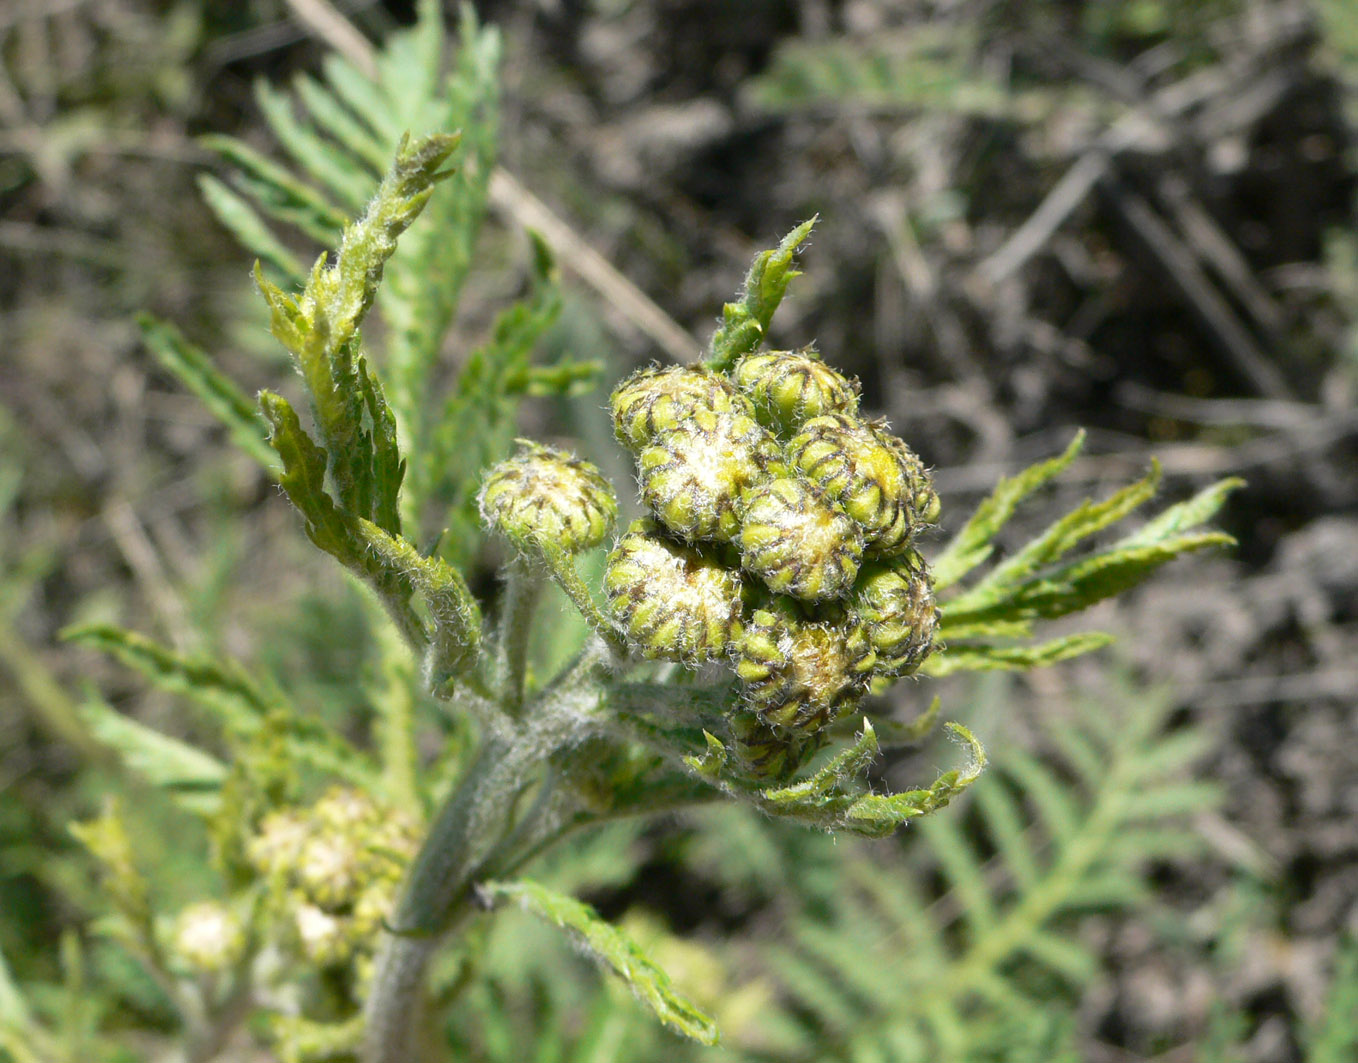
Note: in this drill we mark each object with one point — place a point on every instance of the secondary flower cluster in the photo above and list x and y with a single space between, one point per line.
780 535
333 870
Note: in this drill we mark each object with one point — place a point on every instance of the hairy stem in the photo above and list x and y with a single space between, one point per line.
438 891
522 591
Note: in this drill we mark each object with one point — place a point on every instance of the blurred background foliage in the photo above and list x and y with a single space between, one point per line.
1139 218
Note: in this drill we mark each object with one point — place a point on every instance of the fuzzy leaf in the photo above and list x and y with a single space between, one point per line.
227 402
609 946
879 814
988 657
973 544
745 323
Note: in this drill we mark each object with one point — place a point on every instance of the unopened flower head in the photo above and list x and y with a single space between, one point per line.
652 401
673 601
801 673
797 541
547 495
867 471
208 937
895 602
692 476
788 388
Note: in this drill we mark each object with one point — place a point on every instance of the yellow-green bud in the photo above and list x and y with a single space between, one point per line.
895 602
800 673
866 471
547 495
208 937
672 600
652 401
692 476
789 388
796 541
330 868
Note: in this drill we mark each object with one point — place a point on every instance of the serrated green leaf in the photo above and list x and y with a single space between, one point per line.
222 686
987 657
611 947
190 776
972 545
1066 533
337 121
277 192
826 787
325 160
877 814
250 230
745 323
1182 516
216 391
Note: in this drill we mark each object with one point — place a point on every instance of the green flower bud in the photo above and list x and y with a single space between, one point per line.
766 751
796 541
208 937
692 477
789 388
275 849
871 475
800 673
547 495
895 602
673 601
652 401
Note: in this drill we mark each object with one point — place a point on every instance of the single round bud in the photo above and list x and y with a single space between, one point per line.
208 936
863 468
796 541
789 388
895 602
545 495
655 400
692 476
673 600
766 751
801 673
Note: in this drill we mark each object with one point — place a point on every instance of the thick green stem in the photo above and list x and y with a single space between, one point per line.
438 891
470 829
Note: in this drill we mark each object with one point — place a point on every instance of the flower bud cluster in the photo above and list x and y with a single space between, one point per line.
780 537
333 870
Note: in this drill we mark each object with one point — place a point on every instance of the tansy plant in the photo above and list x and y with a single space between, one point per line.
782 576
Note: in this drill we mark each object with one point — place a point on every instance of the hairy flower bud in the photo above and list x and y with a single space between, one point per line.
673 600
895 602
796 541
872 476
801 673
652 401
547 495
789 388
692 476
